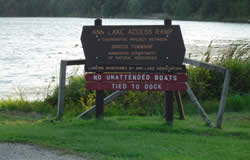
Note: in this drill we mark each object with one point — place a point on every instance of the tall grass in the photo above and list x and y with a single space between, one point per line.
26 106
77 98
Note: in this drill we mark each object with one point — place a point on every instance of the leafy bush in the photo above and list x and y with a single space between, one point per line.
238 102
240 74
139 103
210 106
205 83
77 98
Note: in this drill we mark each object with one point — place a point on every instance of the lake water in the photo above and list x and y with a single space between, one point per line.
31 48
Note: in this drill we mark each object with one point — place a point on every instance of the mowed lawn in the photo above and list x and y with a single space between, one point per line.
134 138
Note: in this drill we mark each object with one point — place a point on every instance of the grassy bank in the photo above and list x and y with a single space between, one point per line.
134 138
133 127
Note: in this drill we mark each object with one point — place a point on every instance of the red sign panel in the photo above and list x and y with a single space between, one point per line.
168 78
136 86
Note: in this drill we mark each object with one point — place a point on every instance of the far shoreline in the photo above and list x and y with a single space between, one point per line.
145 17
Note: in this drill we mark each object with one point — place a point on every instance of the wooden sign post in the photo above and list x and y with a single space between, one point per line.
169 107
99 93
149 57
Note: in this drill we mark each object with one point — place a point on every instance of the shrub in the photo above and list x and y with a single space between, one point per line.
77 98
240 74
205 83
139 103
238 102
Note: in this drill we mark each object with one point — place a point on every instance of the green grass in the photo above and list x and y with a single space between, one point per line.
135 138
25 106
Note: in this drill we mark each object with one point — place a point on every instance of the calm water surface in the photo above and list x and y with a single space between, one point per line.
31 48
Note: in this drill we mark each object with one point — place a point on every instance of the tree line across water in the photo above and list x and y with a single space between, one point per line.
237 10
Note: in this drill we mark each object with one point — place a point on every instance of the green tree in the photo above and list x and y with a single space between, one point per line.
91 8
33 8
134 7
112 8
239 9
224 8
206 9
209 8
149 6
184 9
195 5
169 6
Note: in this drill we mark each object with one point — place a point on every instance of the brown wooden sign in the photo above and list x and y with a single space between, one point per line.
137 77
146 48
133 48
147 86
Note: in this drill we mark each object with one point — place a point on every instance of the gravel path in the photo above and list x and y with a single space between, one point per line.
10 151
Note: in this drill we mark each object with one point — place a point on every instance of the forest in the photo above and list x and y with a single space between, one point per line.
218 10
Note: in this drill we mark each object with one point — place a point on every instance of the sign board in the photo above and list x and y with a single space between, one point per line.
136 82
133 48
137 77
147 86
158 49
